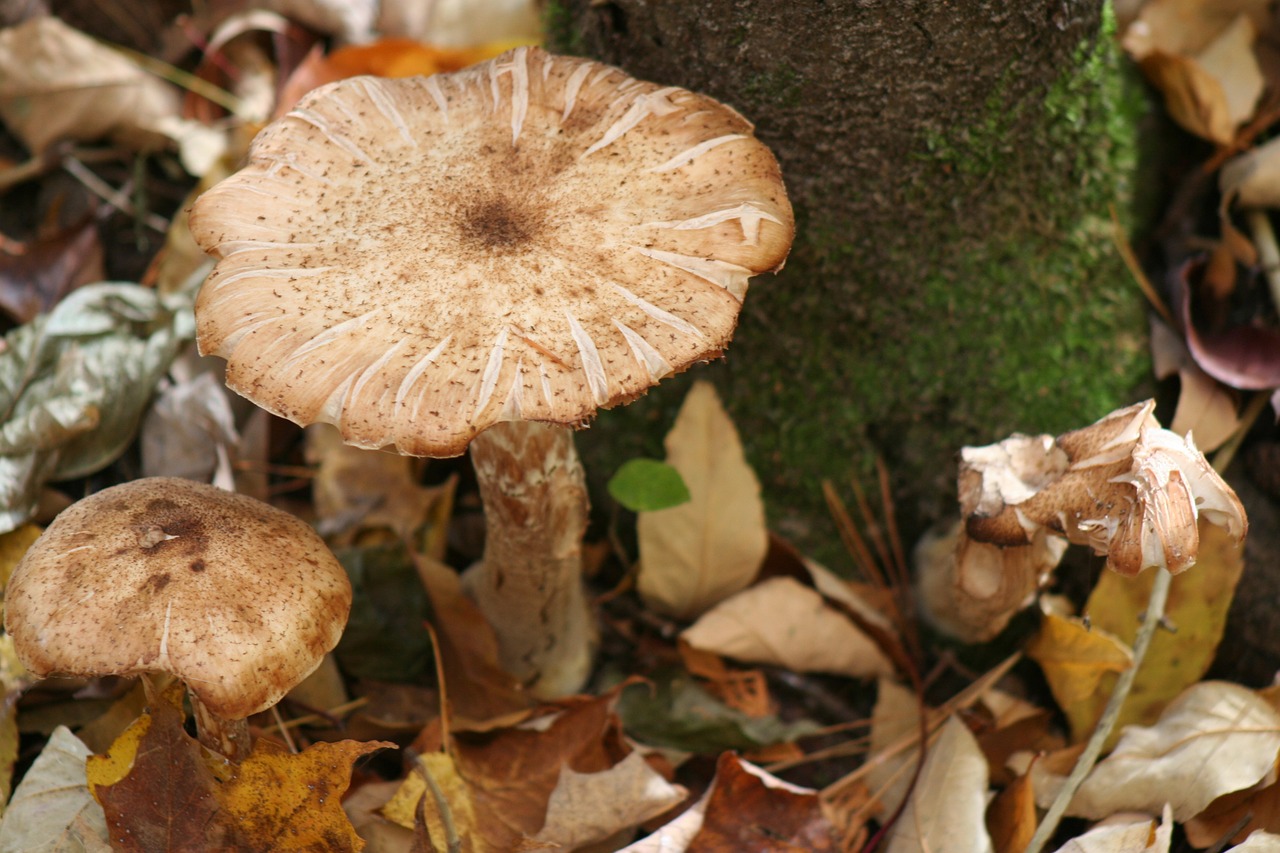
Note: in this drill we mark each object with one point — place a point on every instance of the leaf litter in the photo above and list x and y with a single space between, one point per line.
713 647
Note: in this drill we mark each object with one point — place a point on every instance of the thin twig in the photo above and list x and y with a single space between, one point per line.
1264 240
452 841
117 198
1093 749
1121 240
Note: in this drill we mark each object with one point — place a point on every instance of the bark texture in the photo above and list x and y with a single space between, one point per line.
953 278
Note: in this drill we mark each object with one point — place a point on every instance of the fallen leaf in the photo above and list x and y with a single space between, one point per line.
947 806
1011 817
1215 738
1205 408
750 811
589 807
782 622
1197 606
895 715
1252 179
1211 85
1140 836
1075 658
1238 813
33 280
1258 842
385 638
161 791
673 837
479 689
673 711
646 485
74 383
697 554
499 786
58 83
1241 355
189 431
52 810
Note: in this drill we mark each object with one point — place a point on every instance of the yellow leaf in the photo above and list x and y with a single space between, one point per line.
404 804
1197 611
697 554
1075 659
8 751
110 769
294 802
12 546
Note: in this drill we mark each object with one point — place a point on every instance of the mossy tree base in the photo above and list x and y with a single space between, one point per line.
953 169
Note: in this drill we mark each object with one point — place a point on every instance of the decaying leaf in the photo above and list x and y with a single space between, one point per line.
508 786
1127 836
1235 816
587 807
782 622
75 383
697 554
1252 179
1215 738
750 811
57 83
190 432
896 715
1200 55
1258 842
52 810
946 810
47 268
161 791
1011 816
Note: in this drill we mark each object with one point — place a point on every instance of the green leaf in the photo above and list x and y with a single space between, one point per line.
385 638
645 485
673 711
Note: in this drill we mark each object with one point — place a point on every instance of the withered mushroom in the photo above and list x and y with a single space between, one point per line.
1124 486
238 599
428 263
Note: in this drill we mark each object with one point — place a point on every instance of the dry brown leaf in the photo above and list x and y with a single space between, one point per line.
947 807
588 807
1239 813
896 715
782 622
1200 55
499 785
699 553
1011 817
1127 836
1253 178
1258 842
750 811
1215 738
57 83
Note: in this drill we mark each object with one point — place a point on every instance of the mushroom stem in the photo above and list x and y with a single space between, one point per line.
228 738
529 582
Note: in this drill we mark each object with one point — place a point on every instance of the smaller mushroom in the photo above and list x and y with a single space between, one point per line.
238 599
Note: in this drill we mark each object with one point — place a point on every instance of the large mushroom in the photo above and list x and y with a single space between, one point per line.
485 258
238 599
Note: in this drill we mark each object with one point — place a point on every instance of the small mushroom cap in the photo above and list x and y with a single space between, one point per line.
235 597
414 260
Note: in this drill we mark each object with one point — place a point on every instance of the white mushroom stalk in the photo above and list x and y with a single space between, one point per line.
534 238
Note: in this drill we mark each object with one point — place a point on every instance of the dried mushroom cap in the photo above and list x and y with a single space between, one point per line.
535 237
238 599
1124 486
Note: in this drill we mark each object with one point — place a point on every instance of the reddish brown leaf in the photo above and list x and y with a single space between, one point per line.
745 815
168 799
33 277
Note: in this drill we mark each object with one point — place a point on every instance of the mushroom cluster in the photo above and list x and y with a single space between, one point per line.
428 263
239 600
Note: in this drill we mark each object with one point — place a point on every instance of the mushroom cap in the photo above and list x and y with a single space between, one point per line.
414 260
235 597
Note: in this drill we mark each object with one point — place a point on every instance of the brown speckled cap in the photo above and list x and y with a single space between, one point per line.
237 598
414 260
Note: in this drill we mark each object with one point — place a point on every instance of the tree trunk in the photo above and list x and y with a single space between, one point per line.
954 277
